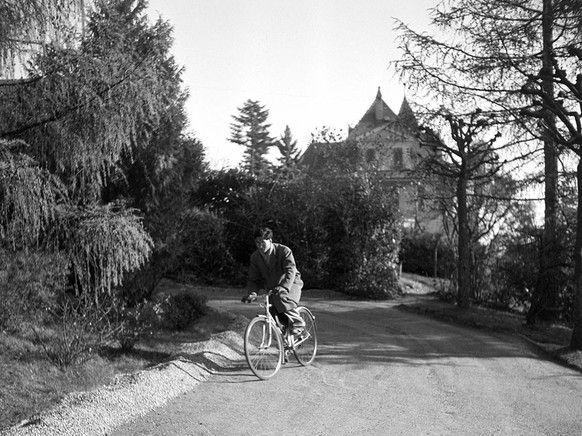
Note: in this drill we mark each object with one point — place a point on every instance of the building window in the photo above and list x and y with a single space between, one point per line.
398 162
370 155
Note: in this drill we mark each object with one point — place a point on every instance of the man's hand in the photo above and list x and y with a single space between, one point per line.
249 298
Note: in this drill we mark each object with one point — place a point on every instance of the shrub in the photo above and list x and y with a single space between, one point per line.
179 310
204 251
418 251
133 323
362 236
81 327
29 281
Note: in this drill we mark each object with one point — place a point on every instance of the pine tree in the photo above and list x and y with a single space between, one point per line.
289 151
106 125
250 129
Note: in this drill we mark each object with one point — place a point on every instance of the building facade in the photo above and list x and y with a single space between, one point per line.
389 143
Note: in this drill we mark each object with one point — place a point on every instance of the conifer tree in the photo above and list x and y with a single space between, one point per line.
92 115
250 129
287 146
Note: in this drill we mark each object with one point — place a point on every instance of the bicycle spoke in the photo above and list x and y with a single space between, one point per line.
306 342
263 348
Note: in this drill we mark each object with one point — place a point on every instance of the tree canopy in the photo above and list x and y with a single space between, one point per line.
250 129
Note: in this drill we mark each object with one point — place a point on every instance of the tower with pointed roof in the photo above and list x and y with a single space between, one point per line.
388 142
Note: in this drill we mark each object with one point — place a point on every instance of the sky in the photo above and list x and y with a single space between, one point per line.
311 63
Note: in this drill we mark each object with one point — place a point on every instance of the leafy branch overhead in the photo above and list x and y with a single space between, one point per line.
96 124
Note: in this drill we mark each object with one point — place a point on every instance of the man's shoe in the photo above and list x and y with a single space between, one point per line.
297 329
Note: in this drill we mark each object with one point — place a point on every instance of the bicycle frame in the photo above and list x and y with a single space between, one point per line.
288 338
272 323
267 342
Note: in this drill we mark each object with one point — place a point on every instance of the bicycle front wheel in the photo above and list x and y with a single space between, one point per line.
306 343
263 348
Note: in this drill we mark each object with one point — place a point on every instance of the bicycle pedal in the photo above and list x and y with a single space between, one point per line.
298 331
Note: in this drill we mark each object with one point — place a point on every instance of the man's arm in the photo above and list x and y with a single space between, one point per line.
289 267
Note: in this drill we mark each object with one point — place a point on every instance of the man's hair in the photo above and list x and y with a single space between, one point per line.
263 232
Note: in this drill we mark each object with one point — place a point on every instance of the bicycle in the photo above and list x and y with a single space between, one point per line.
267 342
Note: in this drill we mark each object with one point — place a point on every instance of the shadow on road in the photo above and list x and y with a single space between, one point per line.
385 335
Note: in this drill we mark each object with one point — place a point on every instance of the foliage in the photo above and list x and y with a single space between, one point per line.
135 322
179 310
103 243
362 236
204 251
250 129
225 193
29 282
82 327
158 182
33 20
91 104
97 166
29 196
289 150
556 93
528 74
427 255
342 227
469 160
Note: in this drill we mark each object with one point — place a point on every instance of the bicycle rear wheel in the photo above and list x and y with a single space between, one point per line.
263 348
306 342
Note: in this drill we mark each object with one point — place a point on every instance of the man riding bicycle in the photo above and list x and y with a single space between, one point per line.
272 267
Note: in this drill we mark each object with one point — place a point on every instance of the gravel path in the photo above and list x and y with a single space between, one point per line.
100 411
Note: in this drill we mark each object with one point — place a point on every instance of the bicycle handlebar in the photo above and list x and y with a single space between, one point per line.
253 296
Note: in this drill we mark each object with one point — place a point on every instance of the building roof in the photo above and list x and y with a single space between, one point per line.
378 113
407 117
378 117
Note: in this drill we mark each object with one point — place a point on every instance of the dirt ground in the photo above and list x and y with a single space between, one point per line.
551 339
381 369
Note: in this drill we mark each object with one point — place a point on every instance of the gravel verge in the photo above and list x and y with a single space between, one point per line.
100 411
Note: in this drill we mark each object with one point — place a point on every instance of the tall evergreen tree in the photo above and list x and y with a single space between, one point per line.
289 150
250 129
98 116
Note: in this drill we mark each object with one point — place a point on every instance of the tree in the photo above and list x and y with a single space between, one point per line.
493 48
567 132
290 153
250 129
90 114
468 161
26 26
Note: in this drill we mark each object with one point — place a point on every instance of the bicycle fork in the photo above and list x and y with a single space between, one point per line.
267 335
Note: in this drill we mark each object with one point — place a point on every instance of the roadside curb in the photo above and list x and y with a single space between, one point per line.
100 411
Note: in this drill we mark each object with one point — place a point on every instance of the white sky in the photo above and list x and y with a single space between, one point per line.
311 63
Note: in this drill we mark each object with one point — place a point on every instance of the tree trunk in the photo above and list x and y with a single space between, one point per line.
545 299
463 262
436 257
576 340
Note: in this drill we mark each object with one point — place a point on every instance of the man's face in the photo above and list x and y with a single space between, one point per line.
263 245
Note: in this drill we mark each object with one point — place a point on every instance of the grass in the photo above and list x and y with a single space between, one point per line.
30 383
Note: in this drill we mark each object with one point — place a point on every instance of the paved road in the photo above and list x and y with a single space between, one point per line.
381 371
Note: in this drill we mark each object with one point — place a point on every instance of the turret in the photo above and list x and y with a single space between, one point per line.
379 107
